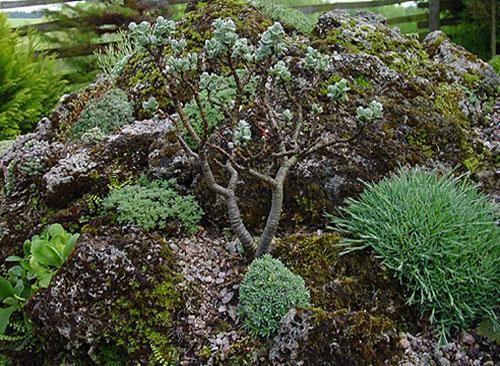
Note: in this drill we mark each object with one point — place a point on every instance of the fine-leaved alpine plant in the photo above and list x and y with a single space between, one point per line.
153 206
267 120
439 237
267 292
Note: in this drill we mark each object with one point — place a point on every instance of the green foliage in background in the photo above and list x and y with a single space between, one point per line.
438 235
86 25
153 206
268 291
495 62
108 113
29 83
473 28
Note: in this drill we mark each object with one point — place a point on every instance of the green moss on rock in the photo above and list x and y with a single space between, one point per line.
348 338
360 307
143 320
354 282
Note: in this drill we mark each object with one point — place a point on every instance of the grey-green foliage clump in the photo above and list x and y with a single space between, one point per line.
438 235
5 145
115 56
289 17
216 91
268 291
153 206
111 111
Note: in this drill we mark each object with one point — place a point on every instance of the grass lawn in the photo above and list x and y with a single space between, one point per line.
17 22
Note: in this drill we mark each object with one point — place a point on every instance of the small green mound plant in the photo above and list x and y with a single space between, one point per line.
108 113
268 291
43 256
153 206
279 11
5 145
29 83
437 233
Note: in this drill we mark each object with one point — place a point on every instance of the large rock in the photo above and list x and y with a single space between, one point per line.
441 110
118 287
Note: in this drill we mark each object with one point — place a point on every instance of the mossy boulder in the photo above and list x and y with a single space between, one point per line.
118 289
351 338
352 282
116 297
359 308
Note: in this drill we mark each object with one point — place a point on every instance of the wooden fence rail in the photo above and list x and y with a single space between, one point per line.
51 26
26 3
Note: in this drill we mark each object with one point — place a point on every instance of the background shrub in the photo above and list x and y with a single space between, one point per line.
29 83
438 235
267 292
495 62
154 205
113 110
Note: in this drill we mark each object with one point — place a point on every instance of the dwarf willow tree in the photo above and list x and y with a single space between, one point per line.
271 122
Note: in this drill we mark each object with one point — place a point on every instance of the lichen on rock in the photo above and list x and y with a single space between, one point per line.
119 287
120 294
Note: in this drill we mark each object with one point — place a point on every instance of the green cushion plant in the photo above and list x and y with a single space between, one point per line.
107 113
438 235
268 291
153 206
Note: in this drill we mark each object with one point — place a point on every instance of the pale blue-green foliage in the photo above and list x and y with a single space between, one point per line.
243 49
222 90
241 134
181 64
215 89
156 34
93 136
287 115
150 106
280 71
153 206
370 114
338 92
316 108
109 112
438 236
316 61
271 43
224 38
43 256
268 291
115 56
